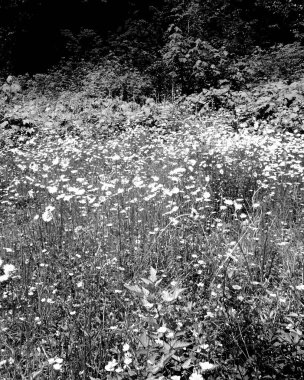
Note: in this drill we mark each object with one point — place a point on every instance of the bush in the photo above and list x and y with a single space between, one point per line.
115 79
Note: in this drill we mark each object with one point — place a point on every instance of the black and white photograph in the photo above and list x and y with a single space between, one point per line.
151 189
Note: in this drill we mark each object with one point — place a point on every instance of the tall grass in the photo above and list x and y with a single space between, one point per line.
148 257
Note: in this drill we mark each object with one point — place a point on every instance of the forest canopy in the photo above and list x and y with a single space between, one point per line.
191 42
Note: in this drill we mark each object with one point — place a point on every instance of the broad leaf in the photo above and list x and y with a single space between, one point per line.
180 344
133 288
144 339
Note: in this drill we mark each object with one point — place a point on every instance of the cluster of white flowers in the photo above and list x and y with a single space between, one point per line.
127 360
113 365
4 362
204 367
47 216
7 269
56 363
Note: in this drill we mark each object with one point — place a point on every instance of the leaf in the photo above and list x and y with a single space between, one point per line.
4 124
166 347
187 364
179 344
133 288
151 321
145 292
35 374
296 315
160 365
166 296
152 278
144 339
295 337
146 281
263 100
131 372
147 304
176 358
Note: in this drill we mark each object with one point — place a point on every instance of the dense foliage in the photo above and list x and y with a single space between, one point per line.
183 45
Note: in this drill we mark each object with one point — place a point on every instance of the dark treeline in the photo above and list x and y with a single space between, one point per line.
178 37
35 34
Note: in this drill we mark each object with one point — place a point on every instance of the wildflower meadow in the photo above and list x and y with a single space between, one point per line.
151 256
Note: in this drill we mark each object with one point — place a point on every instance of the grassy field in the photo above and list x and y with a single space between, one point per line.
143 256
